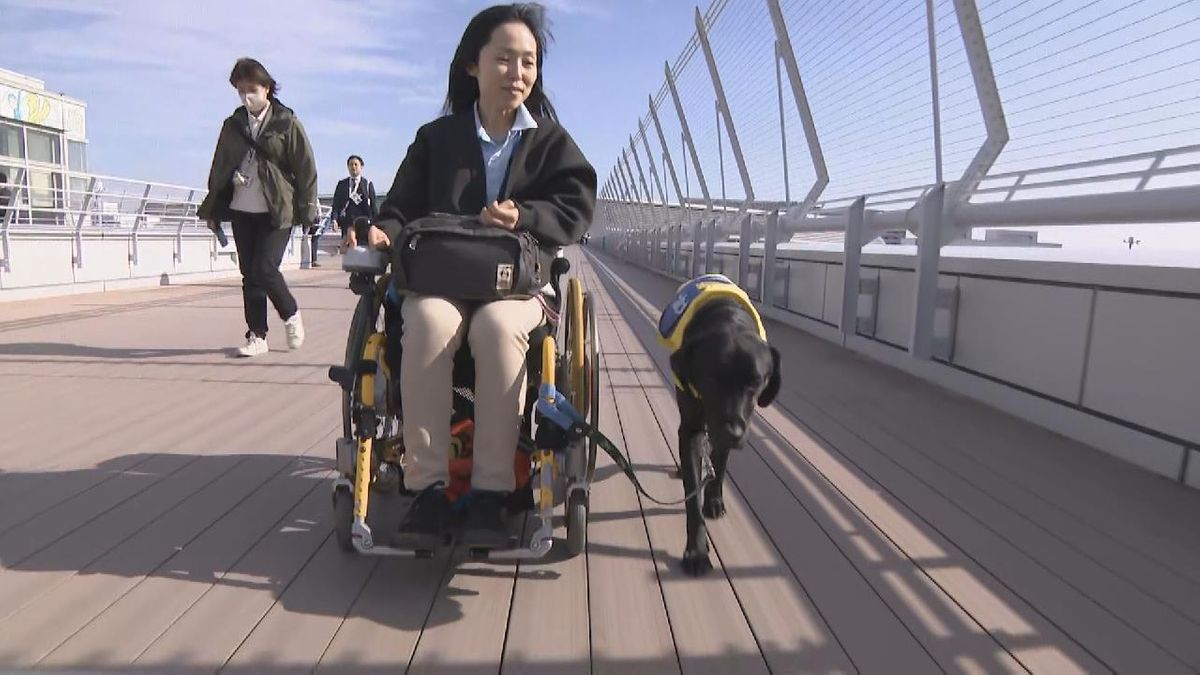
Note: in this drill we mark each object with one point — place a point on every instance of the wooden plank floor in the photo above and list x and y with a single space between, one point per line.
165 508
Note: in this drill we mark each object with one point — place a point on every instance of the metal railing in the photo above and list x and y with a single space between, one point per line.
1044 112
91 204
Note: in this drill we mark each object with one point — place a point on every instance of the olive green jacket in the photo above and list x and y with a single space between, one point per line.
288 171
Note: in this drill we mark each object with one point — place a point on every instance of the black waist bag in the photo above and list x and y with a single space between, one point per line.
459 258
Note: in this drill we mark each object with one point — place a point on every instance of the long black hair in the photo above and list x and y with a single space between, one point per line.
463 89
250 69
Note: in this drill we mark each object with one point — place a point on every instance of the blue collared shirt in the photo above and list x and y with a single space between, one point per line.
497 154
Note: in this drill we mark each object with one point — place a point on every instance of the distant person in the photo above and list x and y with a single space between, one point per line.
264 180
354 197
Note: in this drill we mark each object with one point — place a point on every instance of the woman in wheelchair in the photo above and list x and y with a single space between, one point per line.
498 152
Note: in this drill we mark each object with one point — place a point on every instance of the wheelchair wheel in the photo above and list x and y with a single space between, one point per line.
591 378
360 325
577 513
343 518
576 332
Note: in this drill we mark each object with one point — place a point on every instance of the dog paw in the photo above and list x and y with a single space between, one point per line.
714 507
696 563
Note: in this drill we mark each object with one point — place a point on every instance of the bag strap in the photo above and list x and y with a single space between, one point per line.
245 132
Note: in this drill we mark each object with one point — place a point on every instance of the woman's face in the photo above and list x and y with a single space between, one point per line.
253 95
507 67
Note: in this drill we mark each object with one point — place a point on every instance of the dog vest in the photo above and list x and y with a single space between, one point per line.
690 297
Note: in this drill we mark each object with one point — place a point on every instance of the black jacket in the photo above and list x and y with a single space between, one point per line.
369 206
550 180
288 174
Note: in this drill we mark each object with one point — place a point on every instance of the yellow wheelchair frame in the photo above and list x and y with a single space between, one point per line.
369 455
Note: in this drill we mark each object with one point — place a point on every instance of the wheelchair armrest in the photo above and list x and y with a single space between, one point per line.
558 268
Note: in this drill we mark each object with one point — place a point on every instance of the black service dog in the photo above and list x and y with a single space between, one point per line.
723 368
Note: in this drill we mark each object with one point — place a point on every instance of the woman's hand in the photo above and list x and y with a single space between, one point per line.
377 238
500 214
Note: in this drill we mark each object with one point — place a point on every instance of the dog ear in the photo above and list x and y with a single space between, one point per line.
772 389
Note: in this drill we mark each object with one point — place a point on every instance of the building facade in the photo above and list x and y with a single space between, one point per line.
43 149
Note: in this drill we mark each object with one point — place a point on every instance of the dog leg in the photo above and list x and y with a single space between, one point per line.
714 501
695 555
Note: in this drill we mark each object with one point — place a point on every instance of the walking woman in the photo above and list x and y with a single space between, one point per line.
264 180
500 153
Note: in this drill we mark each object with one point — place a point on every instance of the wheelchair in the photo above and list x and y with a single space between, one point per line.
551 467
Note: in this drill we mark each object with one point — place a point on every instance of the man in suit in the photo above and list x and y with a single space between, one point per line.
354 197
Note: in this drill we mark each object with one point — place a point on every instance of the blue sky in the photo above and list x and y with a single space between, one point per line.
1079 80
362 74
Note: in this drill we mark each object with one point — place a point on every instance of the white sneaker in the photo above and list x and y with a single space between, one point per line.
295 331
255 346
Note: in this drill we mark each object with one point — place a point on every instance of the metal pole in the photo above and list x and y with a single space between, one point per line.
641 174
686 181
929 245
787 185
806 118
933 81
975 44
769 257
662 195
689 147
720 154
723 107
851 270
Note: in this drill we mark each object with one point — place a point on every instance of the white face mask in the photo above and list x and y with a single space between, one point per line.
254 102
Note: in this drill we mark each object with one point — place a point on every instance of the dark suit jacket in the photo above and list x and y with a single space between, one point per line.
341 200
550 180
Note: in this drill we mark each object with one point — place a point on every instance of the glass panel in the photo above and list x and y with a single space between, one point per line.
77 156
44 147
10 141
79 188
44 189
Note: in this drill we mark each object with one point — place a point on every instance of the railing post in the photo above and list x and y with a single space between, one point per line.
852 268
770 244
87 202
10 215
710 249
697 238
137 225
747 237
929 244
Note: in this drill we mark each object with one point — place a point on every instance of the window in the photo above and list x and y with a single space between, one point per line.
10 141
77 156
44 147
45 188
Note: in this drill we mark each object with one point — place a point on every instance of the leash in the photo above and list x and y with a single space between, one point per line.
556 408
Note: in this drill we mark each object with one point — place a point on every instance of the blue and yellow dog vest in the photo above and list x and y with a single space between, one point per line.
688 300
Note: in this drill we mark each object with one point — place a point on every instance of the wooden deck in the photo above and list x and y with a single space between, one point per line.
164 507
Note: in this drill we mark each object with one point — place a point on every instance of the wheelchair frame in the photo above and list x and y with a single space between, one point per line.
369 458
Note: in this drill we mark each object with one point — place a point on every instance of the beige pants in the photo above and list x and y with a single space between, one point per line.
498 335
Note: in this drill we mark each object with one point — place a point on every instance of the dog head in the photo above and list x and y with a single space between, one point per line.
732 370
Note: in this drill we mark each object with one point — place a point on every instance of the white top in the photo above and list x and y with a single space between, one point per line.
251 198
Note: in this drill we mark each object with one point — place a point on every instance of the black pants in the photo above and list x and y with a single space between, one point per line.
260 248
314 233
